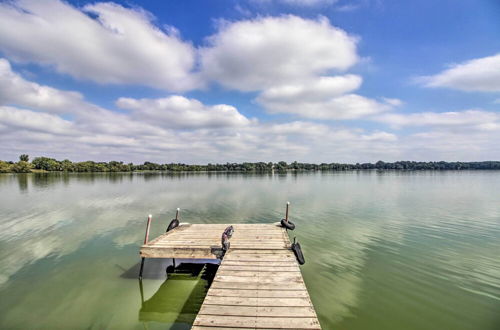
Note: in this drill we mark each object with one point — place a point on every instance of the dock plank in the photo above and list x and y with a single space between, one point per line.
257 293
280 311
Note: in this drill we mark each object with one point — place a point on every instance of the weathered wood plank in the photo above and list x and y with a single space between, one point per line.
218 237
236 268
184 253
257 263
228 321
257 322
247 301
225 272
234 245
258 257
259 311
284 280
282 293
250 251
287 323
257 286
228 310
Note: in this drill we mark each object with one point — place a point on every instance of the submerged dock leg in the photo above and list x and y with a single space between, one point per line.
171 268
142 267
141 290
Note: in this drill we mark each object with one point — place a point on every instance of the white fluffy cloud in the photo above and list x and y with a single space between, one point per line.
478 119
482 74
453 145
460 135
181 112
115 45
350 106
16 90
290 60
268 51
323 98
21 119
318 88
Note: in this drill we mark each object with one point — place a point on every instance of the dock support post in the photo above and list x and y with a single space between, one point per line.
146 238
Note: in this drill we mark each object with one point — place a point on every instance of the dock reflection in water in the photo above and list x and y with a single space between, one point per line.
180 297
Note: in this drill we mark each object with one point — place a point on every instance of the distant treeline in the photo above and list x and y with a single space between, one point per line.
53 165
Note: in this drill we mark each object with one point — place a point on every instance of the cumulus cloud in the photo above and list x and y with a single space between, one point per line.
313 89
316 101
290 61
17 91
22 119
454 136
379 136
267 51
102 42
482 74
453 145
14 89
477 119
180 112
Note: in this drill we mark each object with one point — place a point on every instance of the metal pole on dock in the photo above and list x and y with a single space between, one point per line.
176 218
146 238
286 214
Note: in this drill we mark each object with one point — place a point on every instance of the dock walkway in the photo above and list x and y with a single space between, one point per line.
258 284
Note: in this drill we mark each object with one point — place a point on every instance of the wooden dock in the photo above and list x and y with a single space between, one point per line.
258 284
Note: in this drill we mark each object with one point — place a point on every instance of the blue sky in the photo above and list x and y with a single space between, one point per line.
257 80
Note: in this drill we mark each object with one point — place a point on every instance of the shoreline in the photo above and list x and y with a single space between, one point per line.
35 171
45 164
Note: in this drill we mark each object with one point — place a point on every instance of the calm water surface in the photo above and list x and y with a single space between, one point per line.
384 250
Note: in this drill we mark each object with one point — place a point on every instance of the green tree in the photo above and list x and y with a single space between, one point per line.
4 167
47 164
67 166
281 166
21 167
24 158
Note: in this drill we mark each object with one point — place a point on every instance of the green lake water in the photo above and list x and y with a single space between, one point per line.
384 250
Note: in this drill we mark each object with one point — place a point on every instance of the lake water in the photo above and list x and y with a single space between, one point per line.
384 250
